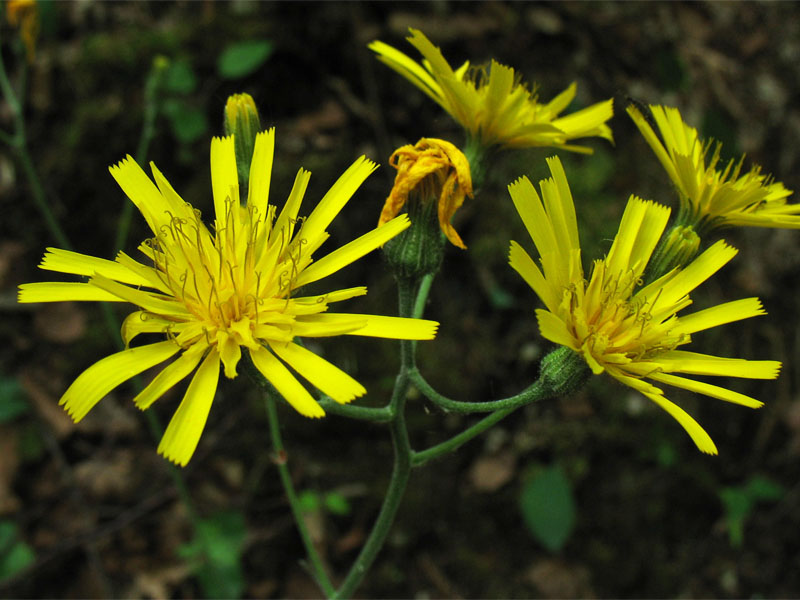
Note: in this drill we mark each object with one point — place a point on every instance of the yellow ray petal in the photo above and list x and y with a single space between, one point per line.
698 434
554 329
566 223
170 376
286 384
589 121
142 321
319 372
147 276
693 363
336 198
395 328
224 177
408 68
322 325
654 142
283 229
261 172
531 211
719 315
696 272
94 383
707 389
176 205
66 261
336 296
523 264
183 432
142 192
56 291
352 251
146 300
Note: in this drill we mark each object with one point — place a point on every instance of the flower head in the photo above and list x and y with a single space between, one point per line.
619 326
495 107
213 294
711 197
430 169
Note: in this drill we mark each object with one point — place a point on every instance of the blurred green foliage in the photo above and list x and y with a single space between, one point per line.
671 71
216 553
12 399
15 554
187 121
740 502
332 502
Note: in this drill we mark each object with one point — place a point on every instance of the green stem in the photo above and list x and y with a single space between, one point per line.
361 413
19 143
401 464
151 88
318 568
420 458
526 396
422 295
401 469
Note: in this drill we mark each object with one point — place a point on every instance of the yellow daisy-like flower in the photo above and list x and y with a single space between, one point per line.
710 197
431 168
213 294
630 331
494 107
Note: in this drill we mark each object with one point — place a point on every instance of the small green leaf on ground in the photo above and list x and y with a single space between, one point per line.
15 554
12 399
216 552
548 508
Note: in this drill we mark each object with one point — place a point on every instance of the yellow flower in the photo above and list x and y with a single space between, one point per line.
710 197
25 15
630 331
213 294
432 169
495 108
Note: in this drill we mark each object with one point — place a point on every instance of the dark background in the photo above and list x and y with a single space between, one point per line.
97 505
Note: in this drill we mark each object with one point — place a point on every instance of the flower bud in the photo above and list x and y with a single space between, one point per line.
676 249
241 121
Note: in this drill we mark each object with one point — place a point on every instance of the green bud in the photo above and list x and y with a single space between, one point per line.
241 120
417 251
564 371
676 249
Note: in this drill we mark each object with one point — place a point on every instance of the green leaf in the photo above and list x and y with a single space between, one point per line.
12 399
15 555
180 78
337 504
243 58
216 552
188 123
548 507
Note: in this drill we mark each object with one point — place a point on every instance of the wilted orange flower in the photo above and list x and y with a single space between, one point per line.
25 15
432 168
